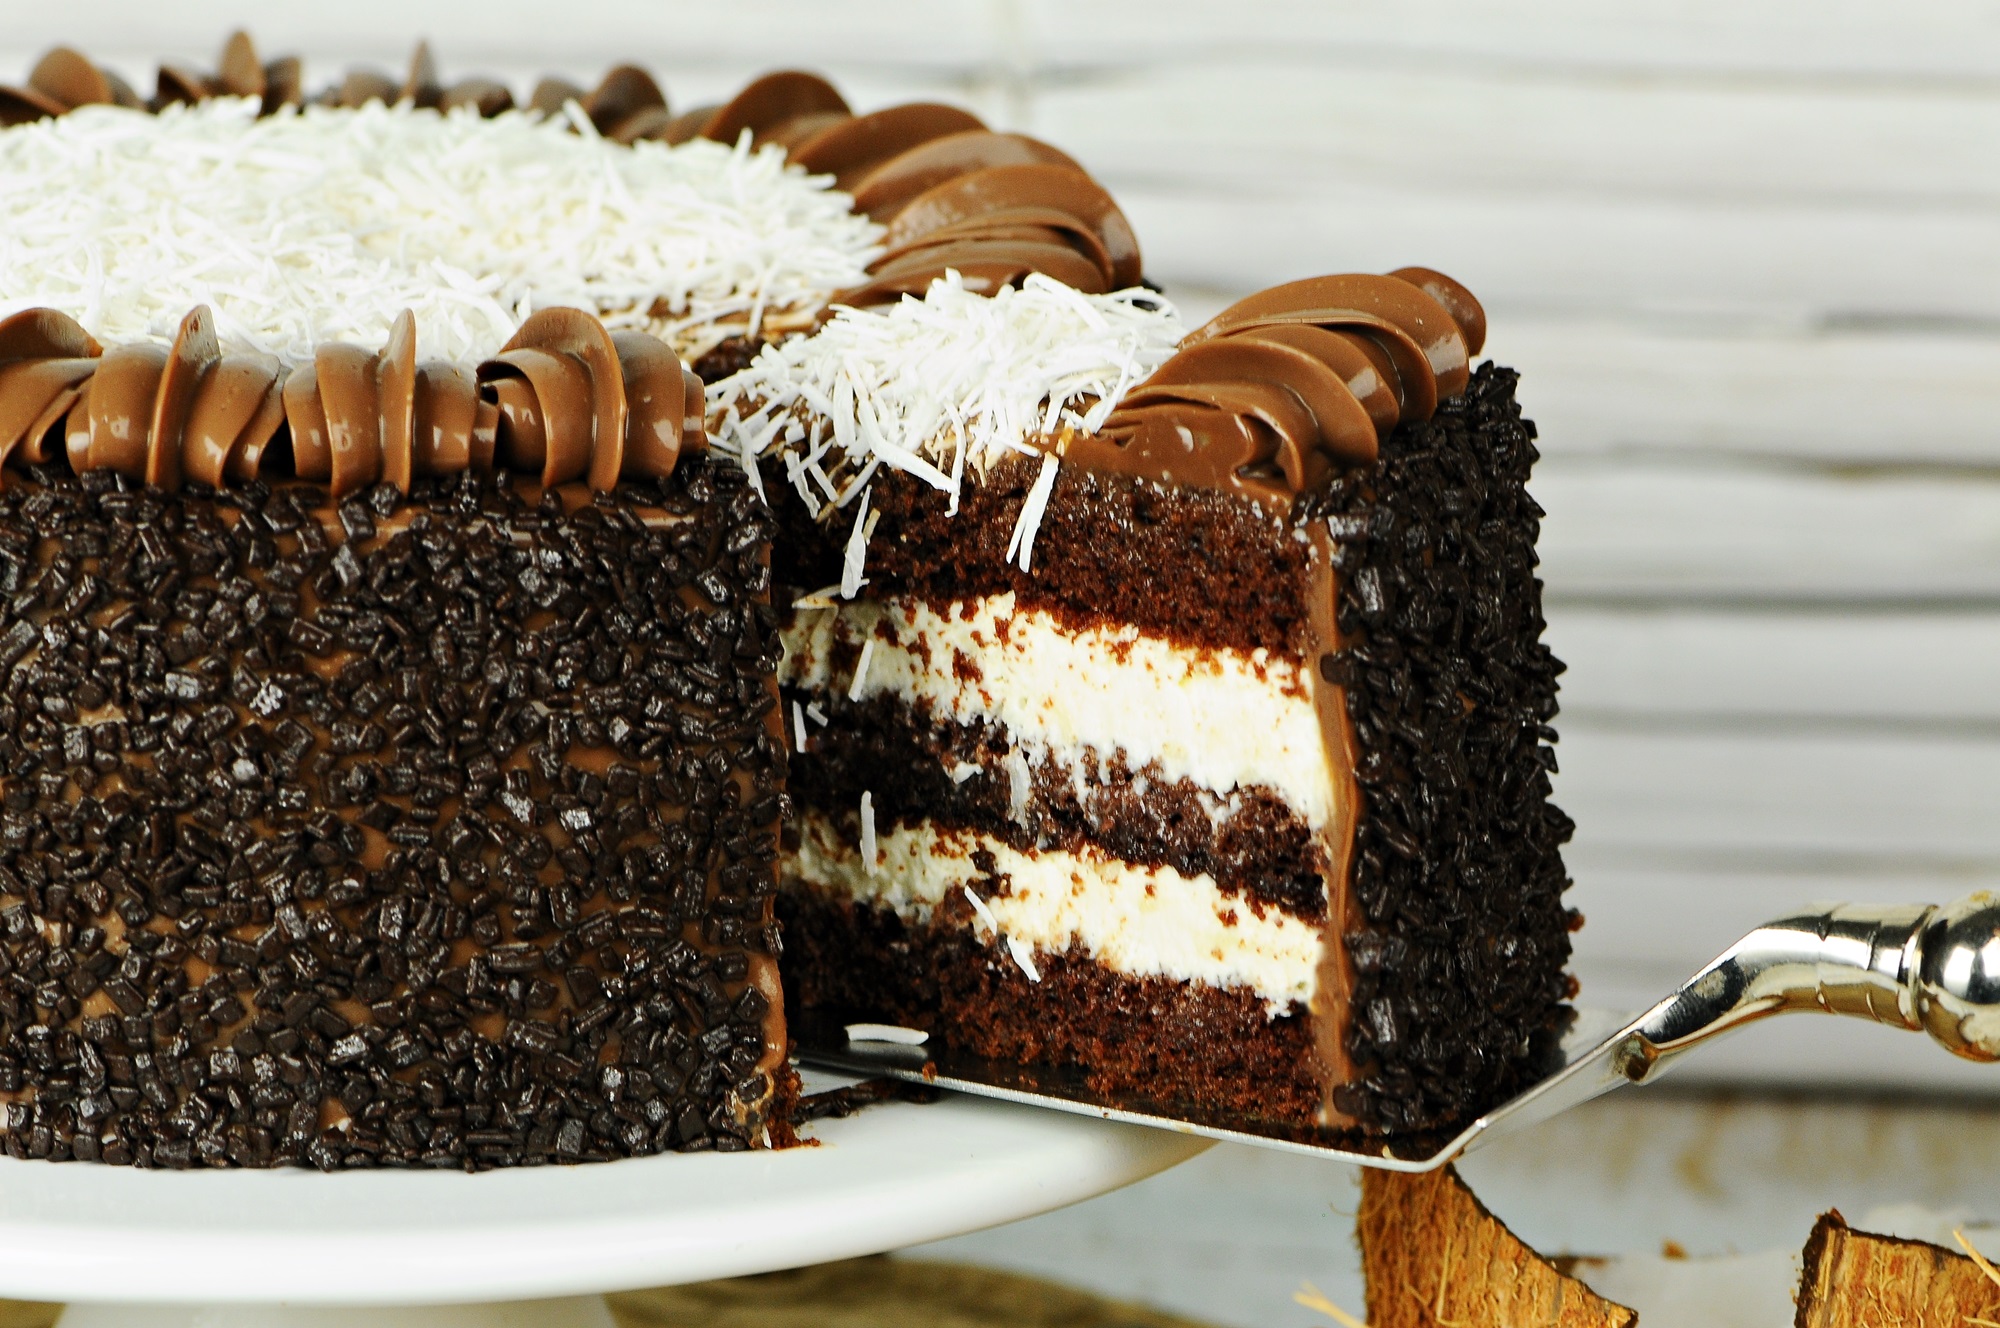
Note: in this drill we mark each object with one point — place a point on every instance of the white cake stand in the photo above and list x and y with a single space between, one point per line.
403 1249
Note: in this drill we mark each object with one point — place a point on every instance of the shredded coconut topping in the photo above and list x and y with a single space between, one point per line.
1024 956
1022 542
860 680
323 224
896 1033
980 912
926 386
868 855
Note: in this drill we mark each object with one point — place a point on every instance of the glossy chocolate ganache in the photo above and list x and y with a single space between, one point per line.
386 767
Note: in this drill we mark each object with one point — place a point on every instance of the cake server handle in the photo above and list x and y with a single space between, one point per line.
1914 966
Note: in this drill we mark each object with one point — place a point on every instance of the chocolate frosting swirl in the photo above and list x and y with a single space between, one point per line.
992 207
421 86
955 195
851 148
238 73
61 81
576 401
565 398
783 107
46 363
358 419
159 415
1279 392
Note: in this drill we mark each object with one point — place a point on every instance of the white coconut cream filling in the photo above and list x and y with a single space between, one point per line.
1135 920
1221 719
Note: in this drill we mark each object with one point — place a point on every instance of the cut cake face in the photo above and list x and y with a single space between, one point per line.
395 748
1199 742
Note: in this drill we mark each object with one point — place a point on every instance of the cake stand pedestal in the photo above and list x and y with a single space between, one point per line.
535 1247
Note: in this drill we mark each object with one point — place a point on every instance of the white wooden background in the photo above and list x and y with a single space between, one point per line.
1747 256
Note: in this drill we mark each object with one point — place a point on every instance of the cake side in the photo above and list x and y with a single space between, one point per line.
424 816
1457 937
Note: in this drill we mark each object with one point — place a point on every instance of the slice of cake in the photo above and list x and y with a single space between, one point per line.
1199 742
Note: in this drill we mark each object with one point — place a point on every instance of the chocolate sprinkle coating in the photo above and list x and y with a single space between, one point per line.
1458 936
430 833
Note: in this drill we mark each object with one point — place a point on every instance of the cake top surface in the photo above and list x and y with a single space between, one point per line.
903 287
323 224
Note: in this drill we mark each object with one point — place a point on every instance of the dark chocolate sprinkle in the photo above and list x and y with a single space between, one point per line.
1459 937
335 885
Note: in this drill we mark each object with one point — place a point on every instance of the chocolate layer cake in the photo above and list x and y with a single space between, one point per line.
1169 705
1201 744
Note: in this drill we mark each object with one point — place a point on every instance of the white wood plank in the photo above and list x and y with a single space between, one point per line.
1205 121
1852 40
1783 265
1883 398
1648 528
1646 930
1716 797
1842 670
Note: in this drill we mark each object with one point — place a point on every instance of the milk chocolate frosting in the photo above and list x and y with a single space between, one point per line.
565 400
1283 390
954 194
61 81
239 73
957 196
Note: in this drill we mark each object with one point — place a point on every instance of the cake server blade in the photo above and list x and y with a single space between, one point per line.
1929 967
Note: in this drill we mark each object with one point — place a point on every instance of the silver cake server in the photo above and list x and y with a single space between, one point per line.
1915 966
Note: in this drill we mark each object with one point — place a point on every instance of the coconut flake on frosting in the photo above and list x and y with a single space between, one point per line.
928 386
323 224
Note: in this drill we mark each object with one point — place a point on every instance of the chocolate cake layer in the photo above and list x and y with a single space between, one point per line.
1191 566
1171 1041
1456 938
960 776
434 831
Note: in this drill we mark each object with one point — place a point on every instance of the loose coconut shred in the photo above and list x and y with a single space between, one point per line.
931 386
